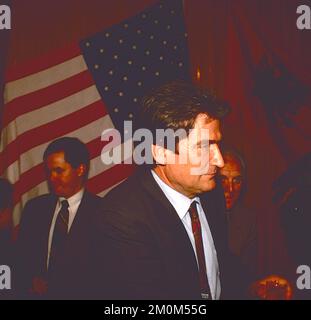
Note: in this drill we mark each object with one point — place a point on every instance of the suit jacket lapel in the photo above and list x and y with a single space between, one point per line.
79 232
49 207
81 214
171 220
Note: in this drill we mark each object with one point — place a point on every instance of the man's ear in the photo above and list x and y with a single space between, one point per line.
81 170
159 154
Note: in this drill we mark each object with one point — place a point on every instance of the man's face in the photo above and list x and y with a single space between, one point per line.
64 180
231 180
192 171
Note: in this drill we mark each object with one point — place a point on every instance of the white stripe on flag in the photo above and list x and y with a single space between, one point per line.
44 78
33 157
50 113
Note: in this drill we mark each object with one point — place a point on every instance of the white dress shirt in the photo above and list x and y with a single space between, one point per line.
74 203
181 203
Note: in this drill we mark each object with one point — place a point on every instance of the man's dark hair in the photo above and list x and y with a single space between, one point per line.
177 104
228 152
6 194
75 152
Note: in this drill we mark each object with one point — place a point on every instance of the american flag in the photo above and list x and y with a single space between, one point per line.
85 88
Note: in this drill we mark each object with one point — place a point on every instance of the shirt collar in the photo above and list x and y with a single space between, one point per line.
180 202
73 200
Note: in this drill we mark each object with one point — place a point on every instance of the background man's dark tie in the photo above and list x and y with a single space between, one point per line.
197 233
60 233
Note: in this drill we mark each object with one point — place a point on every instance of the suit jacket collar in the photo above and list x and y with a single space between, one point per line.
180 202
212 205
178 235
51 205
45 225
209 200
77 232
77 224
150 185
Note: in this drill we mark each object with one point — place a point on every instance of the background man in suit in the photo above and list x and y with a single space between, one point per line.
162 233
242 223
54 240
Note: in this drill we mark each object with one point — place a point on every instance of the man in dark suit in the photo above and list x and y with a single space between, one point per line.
242 222
54 241
162 233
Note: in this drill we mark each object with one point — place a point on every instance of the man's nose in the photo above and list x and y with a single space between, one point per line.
52 176
230 186
217 159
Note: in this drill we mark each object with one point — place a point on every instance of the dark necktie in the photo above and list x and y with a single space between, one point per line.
60 233
197 233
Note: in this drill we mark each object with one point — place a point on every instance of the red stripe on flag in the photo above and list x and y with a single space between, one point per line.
42 62
46 96
51 131
28 180
95 145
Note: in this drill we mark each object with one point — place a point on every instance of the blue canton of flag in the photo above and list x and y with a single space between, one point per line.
143 52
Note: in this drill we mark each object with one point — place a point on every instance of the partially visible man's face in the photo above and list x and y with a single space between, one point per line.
192 178
64 180
231 180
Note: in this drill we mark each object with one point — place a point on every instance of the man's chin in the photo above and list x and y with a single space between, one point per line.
210 185
229 204
58 192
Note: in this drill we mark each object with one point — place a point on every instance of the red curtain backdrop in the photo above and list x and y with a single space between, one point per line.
232 42
238 46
